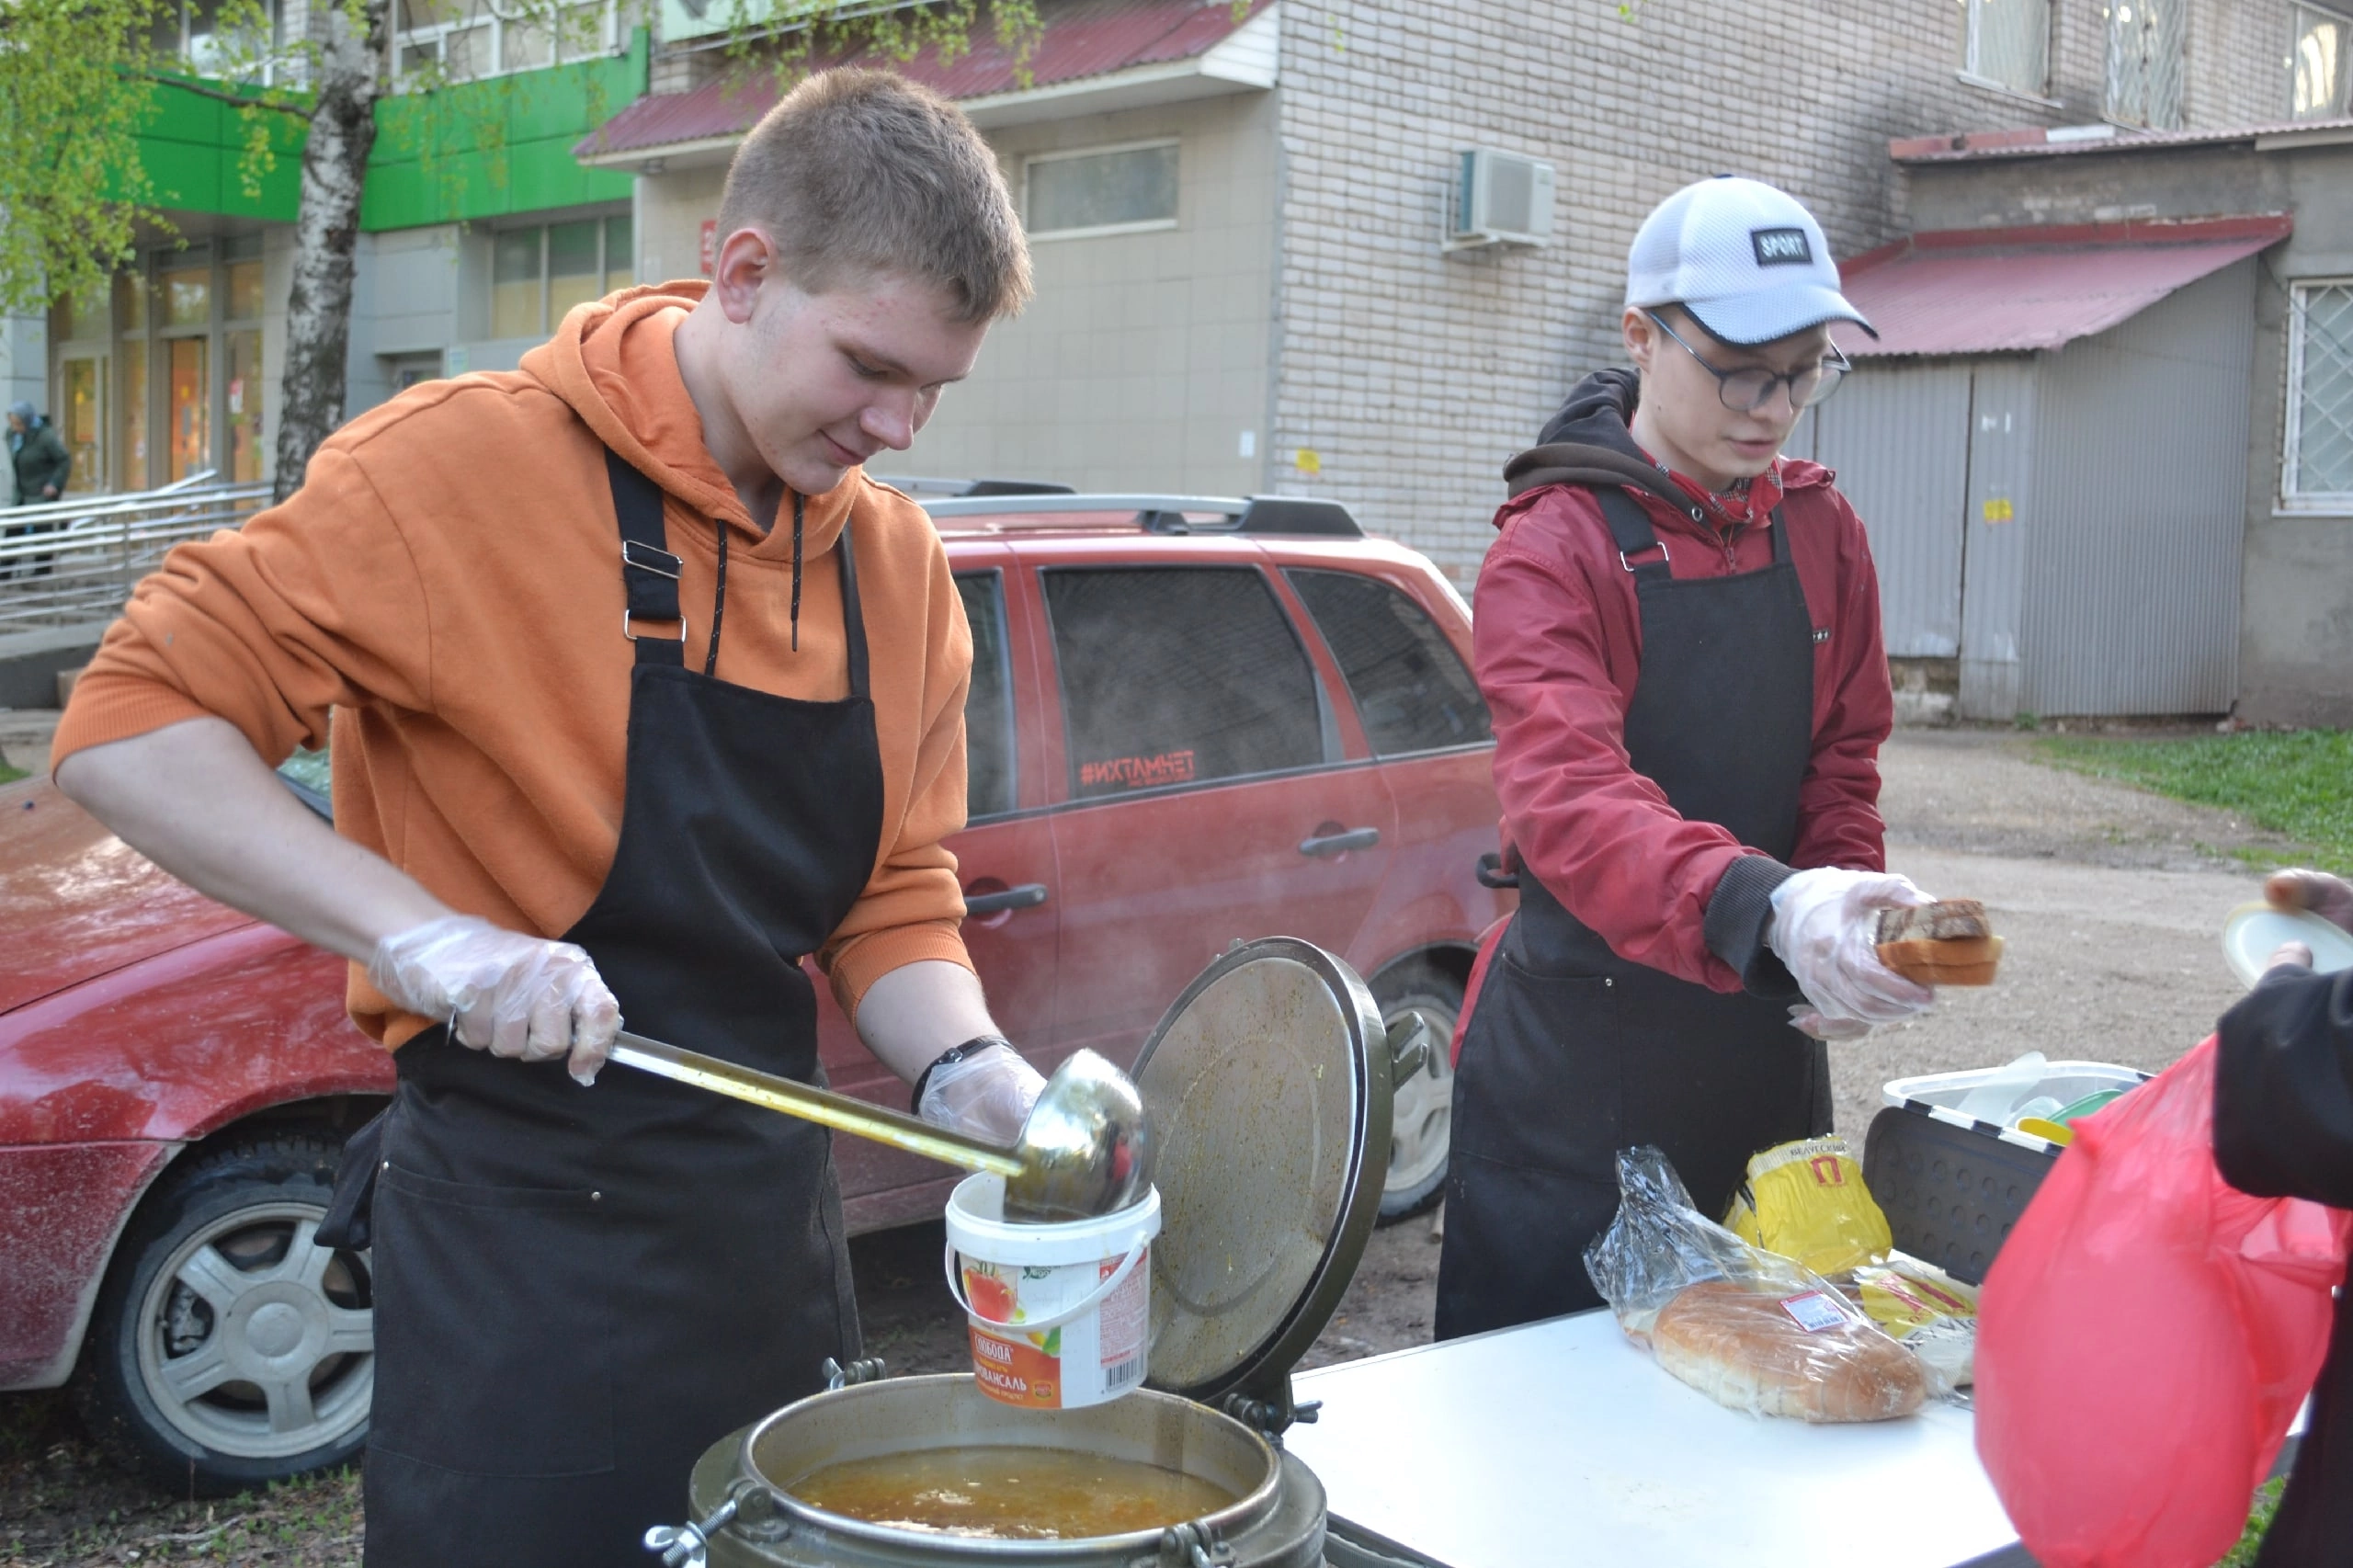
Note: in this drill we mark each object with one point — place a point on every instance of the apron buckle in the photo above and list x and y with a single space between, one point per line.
631 632
1664 558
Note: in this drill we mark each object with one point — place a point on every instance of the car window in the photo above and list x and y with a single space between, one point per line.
305 773
308 769
988 706
1178 676
1412 691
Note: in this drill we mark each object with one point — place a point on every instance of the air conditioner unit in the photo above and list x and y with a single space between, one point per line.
1500 198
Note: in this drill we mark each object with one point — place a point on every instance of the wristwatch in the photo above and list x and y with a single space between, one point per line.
949 1057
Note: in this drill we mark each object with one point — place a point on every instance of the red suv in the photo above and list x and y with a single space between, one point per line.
1191 721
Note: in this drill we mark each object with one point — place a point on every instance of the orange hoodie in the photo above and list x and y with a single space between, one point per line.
447 581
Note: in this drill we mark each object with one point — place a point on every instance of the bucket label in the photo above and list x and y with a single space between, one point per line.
1094 1356
1015 1371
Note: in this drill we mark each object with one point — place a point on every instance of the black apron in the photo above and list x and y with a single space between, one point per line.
579 1290
1573 1053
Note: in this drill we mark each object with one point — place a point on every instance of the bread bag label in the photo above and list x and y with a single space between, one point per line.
1813 1311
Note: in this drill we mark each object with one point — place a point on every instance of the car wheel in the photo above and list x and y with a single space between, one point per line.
228 1350
1423 1111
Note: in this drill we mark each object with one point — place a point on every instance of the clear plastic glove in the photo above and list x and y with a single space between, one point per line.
1807 1020
1825 927
987 1095
508 994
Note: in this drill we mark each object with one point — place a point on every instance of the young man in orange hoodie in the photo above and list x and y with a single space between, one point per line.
642 692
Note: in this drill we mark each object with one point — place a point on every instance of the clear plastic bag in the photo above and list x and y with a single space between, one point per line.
1749 1328
2145 1336
1930 1312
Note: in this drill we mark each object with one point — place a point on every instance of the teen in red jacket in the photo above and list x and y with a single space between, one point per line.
1679 634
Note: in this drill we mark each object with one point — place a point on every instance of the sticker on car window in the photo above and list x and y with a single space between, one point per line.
1138 772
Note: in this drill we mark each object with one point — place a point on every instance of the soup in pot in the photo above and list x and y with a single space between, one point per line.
1004 1493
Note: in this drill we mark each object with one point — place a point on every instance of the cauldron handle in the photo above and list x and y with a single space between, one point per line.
686 1546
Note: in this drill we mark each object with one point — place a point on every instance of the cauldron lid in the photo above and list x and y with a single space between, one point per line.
1271 1126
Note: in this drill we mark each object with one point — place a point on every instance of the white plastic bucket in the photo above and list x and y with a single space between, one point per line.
1058 1312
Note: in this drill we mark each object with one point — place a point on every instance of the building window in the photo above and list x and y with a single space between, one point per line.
1104 190
160 377
2006 44
537 274
461 40
2317 475
2146 41
192 30
2322 40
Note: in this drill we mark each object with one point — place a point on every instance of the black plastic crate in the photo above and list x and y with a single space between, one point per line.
1951 1193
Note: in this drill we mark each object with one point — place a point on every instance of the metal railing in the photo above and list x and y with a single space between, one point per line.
73 561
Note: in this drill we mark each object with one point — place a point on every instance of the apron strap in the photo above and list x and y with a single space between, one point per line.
853 619
1631 529
649 572
1632 532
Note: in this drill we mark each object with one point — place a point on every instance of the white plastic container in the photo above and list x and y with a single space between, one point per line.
1058 1314
1941 1094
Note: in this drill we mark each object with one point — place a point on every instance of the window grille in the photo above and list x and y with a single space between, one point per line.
2317 474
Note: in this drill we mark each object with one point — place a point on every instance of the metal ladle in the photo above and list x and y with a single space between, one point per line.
1085 1149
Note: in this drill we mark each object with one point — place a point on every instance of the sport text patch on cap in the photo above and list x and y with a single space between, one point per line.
1781 247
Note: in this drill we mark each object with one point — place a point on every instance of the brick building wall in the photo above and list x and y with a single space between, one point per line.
1409 376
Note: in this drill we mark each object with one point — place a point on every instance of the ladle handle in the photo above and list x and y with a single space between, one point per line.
839 1112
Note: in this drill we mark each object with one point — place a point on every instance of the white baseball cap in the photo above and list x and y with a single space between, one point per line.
1747 261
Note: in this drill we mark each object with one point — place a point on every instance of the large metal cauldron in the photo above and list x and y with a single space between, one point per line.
1269 1085
1277 1521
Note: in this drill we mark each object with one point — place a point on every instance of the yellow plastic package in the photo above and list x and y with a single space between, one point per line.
1807 1200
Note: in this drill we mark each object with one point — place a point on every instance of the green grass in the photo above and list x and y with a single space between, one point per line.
2266 1503
2299 784
10 775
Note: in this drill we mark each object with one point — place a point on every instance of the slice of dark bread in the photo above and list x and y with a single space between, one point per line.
1940 944
1954 920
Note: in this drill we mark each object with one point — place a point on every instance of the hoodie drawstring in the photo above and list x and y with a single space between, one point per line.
718 604
796 571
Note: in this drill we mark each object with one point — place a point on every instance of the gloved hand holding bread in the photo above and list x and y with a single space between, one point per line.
1867 946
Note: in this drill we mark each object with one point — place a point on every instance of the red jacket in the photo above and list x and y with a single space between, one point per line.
1558 641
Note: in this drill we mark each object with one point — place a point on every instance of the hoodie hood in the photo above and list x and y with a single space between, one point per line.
615 363
1589 442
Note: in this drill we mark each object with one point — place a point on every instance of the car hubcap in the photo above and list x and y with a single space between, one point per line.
256 1343
1422 1112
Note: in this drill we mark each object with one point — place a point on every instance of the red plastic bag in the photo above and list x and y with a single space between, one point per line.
2146 1335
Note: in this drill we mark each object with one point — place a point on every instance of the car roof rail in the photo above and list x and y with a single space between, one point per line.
1018 487
1299 515
959 487
1258 515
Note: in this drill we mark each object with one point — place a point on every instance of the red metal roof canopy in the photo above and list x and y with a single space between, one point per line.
1994 290
1081 39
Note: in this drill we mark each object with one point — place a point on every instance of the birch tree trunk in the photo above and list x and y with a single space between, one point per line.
351 62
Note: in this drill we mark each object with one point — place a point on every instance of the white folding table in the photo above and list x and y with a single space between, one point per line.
1561 1443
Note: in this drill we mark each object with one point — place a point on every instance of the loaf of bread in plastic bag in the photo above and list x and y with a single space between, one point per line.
1806 1357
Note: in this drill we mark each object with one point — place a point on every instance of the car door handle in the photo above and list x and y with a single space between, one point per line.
1493 875
1029 895
1340 843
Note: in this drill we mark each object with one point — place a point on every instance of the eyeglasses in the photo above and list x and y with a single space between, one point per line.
1747 391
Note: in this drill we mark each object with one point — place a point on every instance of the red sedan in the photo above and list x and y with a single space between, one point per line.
1191 721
